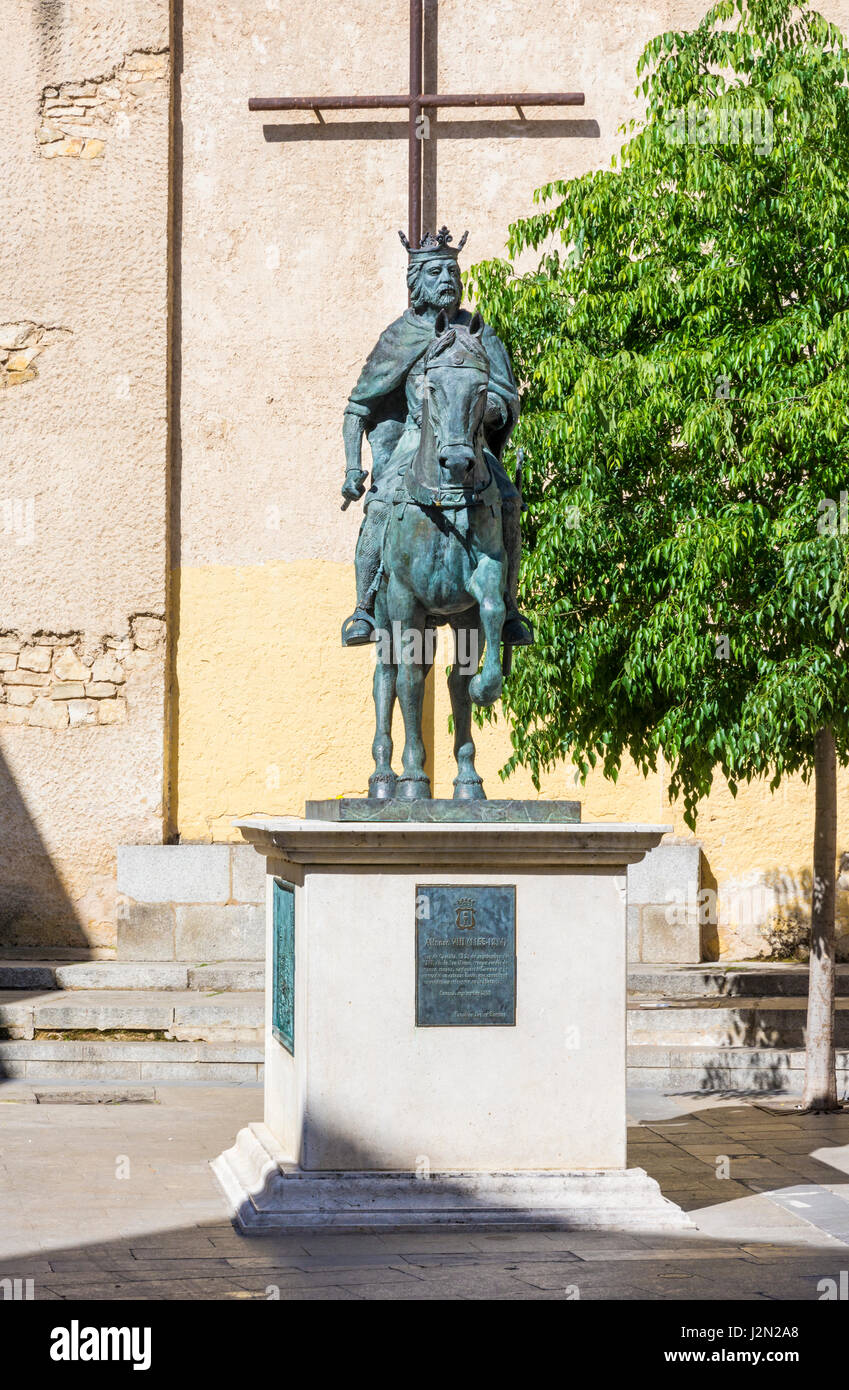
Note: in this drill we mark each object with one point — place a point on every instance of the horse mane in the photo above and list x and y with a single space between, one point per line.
470 345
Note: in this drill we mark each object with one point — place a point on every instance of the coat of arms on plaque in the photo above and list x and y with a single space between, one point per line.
465 914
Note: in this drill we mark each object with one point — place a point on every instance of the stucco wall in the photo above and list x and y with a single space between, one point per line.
291 266
286 267
83 334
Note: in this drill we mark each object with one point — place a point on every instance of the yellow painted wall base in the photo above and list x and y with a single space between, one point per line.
273 711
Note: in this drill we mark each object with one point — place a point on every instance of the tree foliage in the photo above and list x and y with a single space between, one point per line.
682 350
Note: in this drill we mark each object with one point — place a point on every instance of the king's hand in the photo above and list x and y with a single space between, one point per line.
354 485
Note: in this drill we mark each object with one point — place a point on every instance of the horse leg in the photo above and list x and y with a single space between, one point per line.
467 784
408 631
487 586
382 782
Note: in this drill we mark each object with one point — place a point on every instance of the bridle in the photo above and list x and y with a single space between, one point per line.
453 496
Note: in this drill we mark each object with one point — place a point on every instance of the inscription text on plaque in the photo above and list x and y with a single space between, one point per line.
465 956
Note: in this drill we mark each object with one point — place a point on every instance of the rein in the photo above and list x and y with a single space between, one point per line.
445 498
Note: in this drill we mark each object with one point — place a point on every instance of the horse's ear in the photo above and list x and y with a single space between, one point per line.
476 326
441 323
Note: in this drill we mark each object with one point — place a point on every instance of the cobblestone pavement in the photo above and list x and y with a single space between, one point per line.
104 1201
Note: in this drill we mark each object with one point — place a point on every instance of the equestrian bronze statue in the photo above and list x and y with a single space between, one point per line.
440 540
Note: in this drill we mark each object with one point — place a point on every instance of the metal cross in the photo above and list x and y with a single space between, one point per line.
416 103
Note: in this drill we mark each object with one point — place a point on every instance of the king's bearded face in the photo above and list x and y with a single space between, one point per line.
436 285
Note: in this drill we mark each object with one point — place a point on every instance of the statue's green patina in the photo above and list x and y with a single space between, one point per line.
440 540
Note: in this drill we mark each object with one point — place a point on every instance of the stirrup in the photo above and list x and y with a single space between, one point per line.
357 639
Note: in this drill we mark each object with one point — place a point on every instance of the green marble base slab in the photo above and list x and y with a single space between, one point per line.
365 808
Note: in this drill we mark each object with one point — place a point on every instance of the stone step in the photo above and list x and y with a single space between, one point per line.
767 1022
78 1093
734 980
700 1070
71 1060
704 1070
234 976
179 1015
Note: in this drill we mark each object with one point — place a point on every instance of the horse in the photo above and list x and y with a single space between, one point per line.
443 561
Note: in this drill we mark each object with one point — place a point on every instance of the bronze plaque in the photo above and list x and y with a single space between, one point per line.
465 956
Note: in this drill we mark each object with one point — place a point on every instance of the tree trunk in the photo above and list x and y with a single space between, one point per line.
820 1092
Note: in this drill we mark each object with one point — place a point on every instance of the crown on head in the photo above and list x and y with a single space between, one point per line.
434 245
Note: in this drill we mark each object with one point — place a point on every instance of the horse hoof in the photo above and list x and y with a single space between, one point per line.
484 692
381 786
413 789
469 790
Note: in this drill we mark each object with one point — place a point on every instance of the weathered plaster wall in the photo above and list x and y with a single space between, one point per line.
290 267
83 341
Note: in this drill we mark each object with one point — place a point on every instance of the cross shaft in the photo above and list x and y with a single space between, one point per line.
415 103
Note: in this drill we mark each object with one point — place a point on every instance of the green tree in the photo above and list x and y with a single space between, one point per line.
682 349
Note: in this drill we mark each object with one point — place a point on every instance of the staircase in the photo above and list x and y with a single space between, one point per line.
736 1027
107 1020
699 1028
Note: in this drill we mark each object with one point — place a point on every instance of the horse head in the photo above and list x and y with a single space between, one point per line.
456 374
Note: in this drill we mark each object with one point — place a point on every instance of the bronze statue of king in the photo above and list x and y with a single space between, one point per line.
386 407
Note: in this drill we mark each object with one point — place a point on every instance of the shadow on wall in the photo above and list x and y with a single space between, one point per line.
50 20
709 929
787 928
524 129
34 905
767 918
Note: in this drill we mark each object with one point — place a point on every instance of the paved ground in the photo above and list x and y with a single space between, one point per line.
117 1201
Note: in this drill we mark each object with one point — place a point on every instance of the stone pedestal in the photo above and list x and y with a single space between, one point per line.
417 1070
